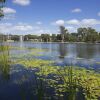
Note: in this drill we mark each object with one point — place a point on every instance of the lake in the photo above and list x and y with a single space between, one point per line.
84 55
19 81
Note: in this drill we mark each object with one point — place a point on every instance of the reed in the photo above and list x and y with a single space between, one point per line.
4 60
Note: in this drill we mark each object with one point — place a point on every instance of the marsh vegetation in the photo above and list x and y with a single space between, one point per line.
40 79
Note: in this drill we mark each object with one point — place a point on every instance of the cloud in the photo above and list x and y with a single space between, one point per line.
73 22
98 13
9 17
7 10
22 27
42 31
84 22
71 28
77 10
36 27
77 22
18 28
90 22
5 27
59 22
39 23
22 2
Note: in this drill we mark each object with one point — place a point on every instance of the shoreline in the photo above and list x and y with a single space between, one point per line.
54 42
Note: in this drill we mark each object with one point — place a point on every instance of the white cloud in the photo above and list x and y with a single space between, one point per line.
59 22
5 24
42 31
77 10
39 23
98 13
18 28
7 10
22 27
71 28
9 17
73 22
22 2
90 22
36 27
5 27
84 22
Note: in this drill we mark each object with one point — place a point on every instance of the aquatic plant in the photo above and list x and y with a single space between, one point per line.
90 83
4 60
29 53
67 81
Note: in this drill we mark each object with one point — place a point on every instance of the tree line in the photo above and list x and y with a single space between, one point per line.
82 35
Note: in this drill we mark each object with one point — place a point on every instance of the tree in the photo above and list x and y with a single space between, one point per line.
99 37
30 36
87 34
1 15
64 34
59 38
82 32
73 37
1 6
45 37
15 37
92 35
54 38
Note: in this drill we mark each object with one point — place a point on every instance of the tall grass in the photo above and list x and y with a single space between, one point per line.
69 85
4 60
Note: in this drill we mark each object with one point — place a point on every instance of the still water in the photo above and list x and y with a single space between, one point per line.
18 83
84 55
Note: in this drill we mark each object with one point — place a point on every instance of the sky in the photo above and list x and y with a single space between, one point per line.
45 16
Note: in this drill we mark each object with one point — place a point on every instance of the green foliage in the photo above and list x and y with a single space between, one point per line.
1 6
54 39
2 1
65 80
87 34
4 60
45 37
29 36
1 13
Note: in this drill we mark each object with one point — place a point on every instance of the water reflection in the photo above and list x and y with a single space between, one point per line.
5 73
66 50
62 50
87 51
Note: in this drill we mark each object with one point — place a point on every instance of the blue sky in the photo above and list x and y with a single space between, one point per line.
45 16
